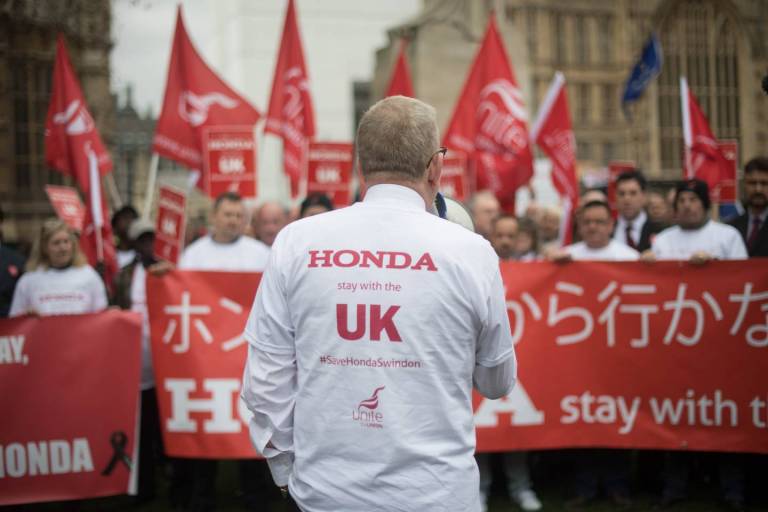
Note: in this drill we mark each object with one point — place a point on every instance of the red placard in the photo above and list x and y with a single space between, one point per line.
725 192
615 168
230 161
673 341
70 399
198 352
171 223
67 205
329 170
454 180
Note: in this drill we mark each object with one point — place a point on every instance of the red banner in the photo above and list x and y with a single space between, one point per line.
662 356
626 355
70 401
230 161
198 352
329 171
67 205
454 180
171 223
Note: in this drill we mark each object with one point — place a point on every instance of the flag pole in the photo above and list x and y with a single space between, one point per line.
96 206
112 187
150 187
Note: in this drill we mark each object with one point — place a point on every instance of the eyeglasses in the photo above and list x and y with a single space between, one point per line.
441 151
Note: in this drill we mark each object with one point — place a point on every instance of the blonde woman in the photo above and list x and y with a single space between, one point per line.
58 281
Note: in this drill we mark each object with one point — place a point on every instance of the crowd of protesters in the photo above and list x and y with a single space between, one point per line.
643 224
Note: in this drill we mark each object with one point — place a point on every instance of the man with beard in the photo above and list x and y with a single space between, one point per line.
752 224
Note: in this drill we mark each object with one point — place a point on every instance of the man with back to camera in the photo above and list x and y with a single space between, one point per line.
375 411
633 227
752 224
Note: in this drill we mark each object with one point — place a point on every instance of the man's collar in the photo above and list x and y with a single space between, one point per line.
387 194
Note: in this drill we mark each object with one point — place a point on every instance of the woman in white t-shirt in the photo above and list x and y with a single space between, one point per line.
58 280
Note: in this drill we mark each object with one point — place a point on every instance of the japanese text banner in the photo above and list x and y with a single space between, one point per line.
69 386
666 355
198 352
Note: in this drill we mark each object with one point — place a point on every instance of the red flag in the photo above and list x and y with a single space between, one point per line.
69 127
73 147
195 99
489 123
291 115
400 83
553 132
703 158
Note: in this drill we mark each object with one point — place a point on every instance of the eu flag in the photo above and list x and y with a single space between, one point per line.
646 69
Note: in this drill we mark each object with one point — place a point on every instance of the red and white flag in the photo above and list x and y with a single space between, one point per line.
703 158
195 99
553 132
489 123
74 148
291 116
400 83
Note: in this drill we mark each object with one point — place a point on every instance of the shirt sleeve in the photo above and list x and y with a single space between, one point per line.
20 301
736 249
269 378
494 348
98 293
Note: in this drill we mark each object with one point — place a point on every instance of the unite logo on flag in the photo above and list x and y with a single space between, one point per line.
193 108
76 119
500 113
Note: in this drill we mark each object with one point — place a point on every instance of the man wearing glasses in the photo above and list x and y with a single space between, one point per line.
369 328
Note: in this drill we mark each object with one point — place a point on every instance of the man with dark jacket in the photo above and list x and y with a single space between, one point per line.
633 227
752 224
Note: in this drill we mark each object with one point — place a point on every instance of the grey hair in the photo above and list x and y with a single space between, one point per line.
397 135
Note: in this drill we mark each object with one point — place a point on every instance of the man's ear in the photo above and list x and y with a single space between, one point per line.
435 170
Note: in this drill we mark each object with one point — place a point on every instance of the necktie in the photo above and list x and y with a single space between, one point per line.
752 240
628 232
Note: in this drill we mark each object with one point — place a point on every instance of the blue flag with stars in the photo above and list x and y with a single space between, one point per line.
646 69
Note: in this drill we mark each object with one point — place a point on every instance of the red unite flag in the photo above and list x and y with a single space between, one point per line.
400 84
291 115
74 148
195 99
703 158
553 132
489 123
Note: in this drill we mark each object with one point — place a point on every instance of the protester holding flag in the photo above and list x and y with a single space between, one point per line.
58 281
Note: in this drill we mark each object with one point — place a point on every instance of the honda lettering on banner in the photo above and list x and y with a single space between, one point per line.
198 352
631 355
329 170
171 224
67 205
489 123
195 99
230 158
454 180
70 402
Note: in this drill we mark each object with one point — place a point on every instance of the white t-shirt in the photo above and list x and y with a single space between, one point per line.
125 257
139 305
386 325
243 255
614 251
722 241
71 291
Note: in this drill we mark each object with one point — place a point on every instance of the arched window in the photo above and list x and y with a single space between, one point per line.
699 41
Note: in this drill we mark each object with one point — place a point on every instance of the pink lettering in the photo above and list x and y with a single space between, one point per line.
318 260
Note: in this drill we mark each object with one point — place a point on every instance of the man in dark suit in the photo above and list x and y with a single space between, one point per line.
633 227
11 268
752 224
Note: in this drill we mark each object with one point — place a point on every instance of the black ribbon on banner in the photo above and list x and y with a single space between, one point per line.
118 440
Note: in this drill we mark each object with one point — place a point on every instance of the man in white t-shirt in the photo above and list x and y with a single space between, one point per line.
226 249
696 238
369 328
595 226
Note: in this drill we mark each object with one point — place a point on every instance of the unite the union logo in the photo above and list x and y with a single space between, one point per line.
367 413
